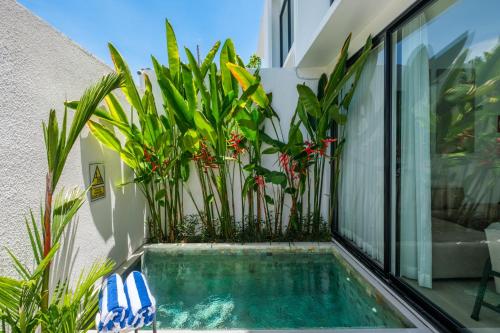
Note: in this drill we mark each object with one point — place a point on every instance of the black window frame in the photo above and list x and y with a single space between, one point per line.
287 5
436 315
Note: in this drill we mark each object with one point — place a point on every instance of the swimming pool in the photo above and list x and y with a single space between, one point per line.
262 288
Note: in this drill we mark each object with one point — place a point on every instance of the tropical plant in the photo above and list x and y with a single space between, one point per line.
25 302
251 114
214 117
254 62
209 126
317 113
68 310
151 149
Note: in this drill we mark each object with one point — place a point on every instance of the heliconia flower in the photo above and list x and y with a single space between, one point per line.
289 166
326 143
309 150
259 180
154 167
147 155
203 155
284 160
234 143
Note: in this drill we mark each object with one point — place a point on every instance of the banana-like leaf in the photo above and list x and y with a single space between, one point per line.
333 91
295 135
246 80
246 124
105 136
189 89
276 178
179 106
174 62
228 55
185 162
309 100
205 66
323 81
129 159
115 109
214 93
128 87
199 79
191 141
305 120
149 104
124 128
339 69
205 128
335 114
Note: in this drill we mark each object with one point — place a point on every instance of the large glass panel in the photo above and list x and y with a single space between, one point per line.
361 200
446 103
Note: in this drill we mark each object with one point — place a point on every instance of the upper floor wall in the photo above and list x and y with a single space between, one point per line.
318 29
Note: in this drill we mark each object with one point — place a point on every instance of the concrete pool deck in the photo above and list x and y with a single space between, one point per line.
419 323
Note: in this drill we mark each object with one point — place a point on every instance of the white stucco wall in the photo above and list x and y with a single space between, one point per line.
39 69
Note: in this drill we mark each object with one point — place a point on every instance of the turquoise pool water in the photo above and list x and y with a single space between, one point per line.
262 291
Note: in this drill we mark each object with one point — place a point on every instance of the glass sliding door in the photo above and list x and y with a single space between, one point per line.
446 154
361 200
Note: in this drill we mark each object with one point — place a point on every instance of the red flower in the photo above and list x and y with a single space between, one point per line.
326 143
259 180
309 150
154 167
289 166
147 155
203 156
235 144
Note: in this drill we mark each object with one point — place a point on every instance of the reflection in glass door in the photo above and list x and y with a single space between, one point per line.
446 107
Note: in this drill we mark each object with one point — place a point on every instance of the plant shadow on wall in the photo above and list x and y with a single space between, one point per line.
217 121
116 214
29 303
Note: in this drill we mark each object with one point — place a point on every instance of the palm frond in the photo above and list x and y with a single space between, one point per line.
66 205
86 106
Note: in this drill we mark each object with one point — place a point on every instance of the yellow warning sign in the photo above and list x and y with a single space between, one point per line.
97 180
97 186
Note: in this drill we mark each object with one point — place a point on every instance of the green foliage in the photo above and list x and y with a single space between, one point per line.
254 62
25 302
74 310
21 299
58 144
214 118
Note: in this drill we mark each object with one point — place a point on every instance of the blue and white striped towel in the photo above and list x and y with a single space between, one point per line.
113 308
141 304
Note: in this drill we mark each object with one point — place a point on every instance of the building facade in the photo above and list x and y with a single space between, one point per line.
419 195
